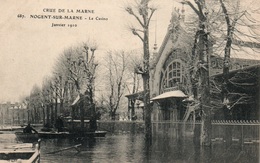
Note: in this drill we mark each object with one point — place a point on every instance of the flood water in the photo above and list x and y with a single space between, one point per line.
124 148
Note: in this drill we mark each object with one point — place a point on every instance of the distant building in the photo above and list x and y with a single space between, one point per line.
4 113
13 113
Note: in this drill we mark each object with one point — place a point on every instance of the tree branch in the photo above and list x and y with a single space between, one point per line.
192 6
134 31
131 12
149 19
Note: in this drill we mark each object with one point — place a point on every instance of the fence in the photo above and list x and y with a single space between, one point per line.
246 132
241 131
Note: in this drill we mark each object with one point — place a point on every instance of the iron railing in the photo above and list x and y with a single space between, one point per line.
240 131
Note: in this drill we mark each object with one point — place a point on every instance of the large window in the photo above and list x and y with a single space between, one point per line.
174 73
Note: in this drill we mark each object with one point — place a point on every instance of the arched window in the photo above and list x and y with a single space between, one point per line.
174 73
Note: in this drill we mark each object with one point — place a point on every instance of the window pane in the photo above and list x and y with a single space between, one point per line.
170 75
174 73
178 65
170 83
174 65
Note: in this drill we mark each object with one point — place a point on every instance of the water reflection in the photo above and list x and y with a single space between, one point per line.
132 148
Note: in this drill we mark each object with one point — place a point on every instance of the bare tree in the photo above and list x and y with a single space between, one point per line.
64 85
25 103
238 21
59 87
143 15
81 69
35 105
213 22
48 101
116 79
201 49
134 80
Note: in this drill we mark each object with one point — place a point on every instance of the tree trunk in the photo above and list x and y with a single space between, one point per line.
48 114
113 115
32 117
228 129
56 108
23 117
204 87
73 116
52 114
82 112
226 65
28 116
144 12
146 76
147 109
202 49
18 116
35 115
226 61
43 115
61 106
132 103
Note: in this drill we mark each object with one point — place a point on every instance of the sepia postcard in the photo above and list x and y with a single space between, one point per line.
130 81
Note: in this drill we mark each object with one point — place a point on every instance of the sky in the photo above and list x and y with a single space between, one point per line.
30 46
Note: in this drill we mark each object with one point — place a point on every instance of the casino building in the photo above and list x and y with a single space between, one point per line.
169 79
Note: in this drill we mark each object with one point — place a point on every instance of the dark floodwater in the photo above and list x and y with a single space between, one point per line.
124 148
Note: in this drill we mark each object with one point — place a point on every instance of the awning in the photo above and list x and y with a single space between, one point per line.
137 96
170 94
